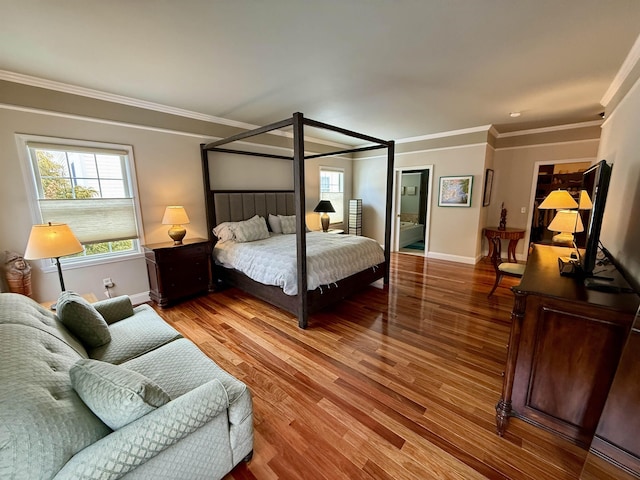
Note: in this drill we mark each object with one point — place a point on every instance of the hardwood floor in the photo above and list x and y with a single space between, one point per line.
394 383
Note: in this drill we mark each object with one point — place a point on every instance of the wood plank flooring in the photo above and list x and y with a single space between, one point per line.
394 383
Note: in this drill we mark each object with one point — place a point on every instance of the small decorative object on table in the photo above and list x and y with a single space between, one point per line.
503 218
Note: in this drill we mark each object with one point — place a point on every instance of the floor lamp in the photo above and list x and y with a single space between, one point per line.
52 240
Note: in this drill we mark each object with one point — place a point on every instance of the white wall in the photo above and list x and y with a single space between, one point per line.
620 145
454 231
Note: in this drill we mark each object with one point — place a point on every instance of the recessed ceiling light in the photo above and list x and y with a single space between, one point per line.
514 114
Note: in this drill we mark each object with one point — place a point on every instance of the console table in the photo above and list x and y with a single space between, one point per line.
564 348
511 234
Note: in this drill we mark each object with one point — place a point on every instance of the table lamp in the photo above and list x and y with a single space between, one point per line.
323 207
52 240
176 216
567 222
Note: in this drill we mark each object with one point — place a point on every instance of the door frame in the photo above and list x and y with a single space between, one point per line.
534 185
395 225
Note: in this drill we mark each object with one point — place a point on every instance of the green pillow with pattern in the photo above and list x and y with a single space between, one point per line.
82 320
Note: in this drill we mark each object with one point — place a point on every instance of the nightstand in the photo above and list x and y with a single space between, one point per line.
177 272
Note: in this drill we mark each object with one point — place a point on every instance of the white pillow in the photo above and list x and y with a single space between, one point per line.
253 229
288 223
275 224
224 232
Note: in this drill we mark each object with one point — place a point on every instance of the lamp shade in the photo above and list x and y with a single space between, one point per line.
175 215
51 240
585 202
566 221
324 206
558 199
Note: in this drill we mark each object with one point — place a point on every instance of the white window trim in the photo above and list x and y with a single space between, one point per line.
325 168
46 265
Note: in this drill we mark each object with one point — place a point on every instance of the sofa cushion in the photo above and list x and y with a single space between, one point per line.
82 319
43 422
20 310
180 366
134 336
118 396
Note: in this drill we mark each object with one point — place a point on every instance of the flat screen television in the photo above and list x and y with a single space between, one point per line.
595 181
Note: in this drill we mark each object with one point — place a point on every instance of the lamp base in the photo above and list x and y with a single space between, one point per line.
324 221
563 238
177 233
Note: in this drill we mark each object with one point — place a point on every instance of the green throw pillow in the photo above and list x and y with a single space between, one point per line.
116 395
82 320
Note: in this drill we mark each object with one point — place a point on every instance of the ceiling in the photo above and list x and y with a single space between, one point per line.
390 69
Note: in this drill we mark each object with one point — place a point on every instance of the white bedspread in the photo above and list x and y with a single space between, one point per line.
272 261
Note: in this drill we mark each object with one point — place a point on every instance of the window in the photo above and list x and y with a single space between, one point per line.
332 189
90 187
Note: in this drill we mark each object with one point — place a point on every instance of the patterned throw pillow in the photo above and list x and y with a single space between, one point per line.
82 320
224 232
253 229
116 395
288 223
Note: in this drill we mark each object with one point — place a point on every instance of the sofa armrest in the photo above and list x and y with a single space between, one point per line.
134 444
114 309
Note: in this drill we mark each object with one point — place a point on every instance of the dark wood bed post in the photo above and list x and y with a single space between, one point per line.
301 224
388 212
208 203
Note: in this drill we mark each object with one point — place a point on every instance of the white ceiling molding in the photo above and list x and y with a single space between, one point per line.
133 102
452 133
627 66
557 128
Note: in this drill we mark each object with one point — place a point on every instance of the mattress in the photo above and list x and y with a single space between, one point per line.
273 261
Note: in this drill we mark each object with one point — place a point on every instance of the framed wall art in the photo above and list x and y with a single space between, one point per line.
488 185
455 191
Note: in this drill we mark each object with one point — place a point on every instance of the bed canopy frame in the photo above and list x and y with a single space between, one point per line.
300 304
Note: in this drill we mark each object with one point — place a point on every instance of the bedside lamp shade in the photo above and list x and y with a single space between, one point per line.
52 240
176 216
323 207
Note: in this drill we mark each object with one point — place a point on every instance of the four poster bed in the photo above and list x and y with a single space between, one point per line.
237 223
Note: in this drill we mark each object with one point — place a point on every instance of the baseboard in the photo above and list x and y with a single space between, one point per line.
452 258
139 298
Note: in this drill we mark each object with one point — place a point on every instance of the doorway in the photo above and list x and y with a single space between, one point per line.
412 200
548 176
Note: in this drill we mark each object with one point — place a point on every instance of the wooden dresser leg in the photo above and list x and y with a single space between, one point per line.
503 411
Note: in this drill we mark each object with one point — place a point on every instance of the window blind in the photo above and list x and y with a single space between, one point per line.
93 220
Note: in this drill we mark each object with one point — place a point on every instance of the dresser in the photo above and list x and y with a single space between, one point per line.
177 272
564 347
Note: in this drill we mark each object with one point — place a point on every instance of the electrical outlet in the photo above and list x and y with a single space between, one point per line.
108 283
523 209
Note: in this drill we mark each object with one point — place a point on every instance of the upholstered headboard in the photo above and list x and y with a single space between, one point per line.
238 206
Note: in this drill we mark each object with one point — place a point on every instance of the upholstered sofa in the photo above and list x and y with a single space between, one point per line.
107 391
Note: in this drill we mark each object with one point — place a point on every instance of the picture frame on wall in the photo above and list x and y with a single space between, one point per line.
411 190
488 185
455 191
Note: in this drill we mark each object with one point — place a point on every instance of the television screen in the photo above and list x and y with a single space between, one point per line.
595 182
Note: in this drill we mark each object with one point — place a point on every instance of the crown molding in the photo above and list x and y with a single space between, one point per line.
627 66
134 102
556 128
451 133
